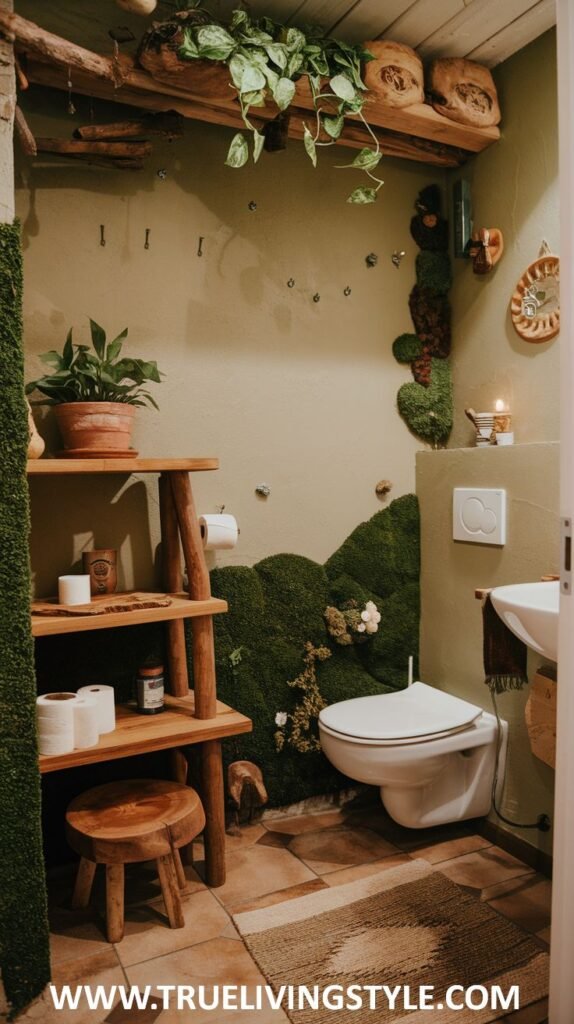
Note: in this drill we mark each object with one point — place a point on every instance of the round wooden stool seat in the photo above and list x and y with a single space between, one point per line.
126 823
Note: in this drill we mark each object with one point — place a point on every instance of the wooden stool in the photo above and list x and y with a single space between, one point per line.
126 823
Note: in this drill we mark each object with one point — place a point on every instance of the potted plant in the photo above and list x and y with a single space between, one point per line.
95 392
263 61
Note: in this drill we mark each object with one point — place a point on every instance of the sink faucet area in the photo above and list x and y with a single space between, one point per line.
530 610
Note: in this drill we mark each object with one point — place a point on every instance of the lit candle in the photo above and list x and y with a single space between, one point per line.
502 417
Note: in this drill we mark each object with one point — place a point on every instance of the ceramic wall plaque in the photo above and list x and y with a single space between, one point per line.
535 304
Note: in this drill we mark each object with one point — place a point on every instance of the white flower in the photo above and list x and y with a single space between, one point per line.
365 616
281 719
372 627
361 627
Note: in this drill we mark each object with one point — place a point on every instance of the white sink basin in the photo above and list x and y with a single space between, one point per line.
530 610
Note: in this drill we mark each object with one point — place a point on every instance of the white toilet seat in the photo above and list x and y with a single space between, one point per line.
417 714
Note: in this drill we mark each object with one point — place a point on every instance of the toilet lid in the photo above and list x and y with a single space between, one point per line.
420 710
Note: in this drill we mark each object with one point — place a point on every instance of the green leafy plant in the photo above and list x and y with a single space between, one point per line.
96 374
265 61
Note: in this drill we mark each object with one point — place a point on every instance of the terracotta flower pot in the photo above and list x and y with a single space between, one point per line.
97 425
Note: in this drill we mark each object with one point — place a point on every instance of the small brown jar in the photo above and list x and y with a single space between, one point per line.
150 687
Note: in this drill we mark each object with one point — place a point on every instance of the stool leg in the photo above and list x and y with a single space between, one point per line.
84 882
115 902
170 891
181 879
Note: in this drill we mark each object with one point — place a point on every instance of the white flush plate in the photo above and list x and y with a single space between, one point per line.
479 515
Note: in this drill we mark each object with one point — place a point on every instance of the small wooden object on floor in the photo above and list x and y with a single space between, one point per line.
127 823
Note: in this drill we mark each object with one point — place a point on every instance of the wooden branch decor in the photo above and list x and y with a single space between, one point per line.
169 126
32 39
25 137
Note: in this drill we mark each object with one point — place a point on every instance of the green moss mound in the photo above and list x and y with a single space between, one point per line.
24 954
433 271
276 606
428 412
407 347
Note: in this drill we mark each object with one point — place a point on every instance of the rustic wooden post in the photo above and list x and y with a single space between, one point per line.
7 109
173 583
211 766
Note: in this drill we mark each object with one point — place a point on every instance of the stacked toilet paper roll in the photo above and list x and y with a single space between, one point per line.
66 721
104 697
218 531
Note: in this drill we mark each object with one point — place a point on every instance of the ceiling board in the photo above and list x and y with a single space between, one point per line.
367 19
489 31
472 26
521 32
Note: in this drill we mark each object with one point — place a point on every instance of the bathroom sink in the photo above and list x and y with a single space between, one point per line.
530 610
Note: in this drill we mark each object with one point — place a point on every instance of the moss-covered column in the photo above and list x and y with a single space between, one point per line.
24 949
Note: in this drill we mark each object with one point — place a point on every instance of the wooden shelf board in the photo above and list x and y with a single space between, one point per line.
416 133
180 608
141 734
49 467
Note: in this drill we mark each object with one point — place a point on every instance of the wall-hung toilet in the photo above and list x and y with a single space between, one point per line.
432 755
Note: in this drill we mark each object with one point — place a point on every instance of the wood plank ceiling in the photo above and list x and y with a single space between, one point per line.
488 31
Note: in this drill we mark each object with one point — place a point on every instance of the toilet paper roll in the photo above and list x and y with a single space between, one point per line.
74 589
104 697
218 531
55 716
86 722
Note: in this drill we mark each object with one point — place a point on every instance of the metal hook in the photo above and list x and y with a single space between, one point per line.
146 243
162 174
102 235
220 509
291 282
397 256
252 205
316 297
200 246
371 260
347 290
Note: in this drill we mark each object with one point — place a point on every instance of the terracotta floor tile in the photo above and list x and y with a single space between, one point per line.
363 870
119 1015
452 848
76 934
142 883
305 822
483 868
525 900
536 1013
271 898
246 836
280 839
88 969
376 818
218 962
331 849
257 870
147 932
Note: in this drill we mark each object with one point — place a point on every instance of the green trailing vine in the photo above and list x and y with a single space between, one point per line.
265 61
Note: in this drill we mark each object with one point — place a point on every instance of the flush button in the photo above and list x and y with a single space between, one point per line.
479 515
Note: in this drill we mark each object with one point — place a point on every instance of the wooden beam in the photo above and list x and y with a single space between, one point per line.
33 39
75 147
169 126
7 110
25 137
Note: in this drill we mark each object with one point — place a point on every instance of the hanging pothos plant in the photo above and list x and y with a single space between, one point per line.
265 60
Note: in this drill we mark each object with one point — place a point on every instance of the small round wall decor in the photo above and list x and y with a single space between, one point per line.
535 304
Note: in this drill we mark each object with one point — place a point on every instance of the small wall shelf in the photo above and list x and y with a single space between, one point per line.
181 607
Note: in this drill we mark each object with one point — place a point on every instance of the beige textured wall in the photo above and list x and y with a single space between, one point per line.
514 187
451 633
289 392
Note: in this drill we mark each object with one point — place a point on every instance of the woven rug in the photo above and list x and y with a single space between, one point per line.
408 925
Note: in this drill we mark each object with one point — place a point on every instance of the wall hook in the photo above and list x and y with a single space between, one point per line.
263 490
220 509
252 205
371 260
102 235
316 297
162 174
146 243
397 256
347 290
200 246
291 282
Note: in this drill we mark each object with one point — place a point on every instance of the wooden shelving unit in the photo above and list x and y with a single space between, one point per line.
136 734
180 607
197 718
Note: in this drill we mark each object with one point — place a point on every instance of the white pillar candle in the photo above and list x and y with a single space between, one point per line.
74 589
